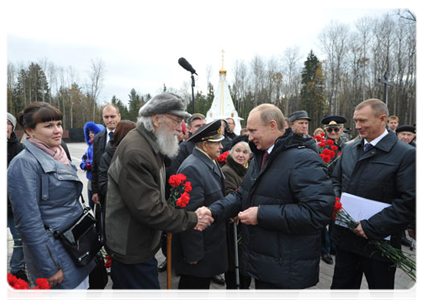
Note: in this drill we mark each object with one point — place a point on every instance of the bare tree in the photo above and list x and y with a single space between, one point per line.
96 76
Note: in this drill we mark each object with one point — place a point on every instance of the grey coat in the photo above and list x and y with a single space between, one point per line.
43 191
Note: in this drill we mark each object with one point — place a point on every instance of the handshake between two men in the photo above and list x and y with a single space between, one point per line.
205 219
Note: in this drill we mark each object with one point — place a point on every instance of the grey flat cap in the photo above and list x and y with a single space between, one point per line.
166 103
12 120
298 115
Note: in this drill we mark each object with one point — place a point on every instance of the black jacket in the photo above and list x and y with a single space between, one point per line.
99 146
13 149
208 247
295 201
106 158
386 173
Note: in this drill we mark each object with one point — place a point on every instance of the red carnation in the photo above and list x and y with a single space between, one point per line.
176 180
223 157
326 158
322 144
43 285
329 142
183 200
322 134
188 187
11 279
334 148
318 138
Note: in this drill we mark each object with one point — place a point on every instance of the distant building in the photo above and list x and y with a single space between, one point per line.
223 106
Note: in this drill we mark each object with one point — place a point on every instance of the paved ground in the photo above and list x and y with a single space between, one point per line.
405 288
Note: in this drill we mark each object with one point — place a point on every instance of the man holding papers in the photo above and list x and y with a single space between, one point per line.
378 168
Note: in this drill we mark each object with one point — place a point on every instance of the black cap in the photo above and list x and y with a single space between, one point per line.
408 128
334 121
211 132
298 115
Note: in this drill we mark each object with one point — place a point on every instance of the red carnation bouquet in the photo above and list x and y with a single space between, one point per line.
18 289
395 255
179 192
179 196
327 149
223 157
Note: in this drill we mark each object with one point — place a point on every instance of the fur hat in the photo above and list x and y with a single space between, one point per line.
166 103
91 126
12 120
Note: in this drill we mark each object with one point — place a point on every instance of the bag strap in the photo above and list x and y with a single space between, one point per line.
85 208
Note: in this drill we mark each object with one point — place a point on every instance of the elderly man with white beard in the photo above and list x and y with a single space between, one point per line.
136 209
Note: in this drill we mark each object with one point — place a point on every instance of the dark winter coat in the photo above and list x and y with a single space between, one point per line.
295 200
99 146
208 247
105 161
386 173
13 149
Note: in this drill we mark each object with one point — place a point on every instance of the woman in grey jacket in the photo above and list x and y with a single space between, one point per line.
44 191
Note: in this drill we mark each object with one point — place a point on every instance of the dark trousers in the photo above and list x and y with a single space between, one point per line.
192 283
267 291
135 276
230 279
350 267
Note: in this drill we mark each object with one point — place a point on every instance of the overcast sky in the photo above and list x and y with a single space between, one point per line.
140 42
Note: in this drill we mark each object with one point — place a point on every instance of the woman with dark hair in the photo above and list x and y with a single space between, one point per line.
90 131
122 128
234 171
44 191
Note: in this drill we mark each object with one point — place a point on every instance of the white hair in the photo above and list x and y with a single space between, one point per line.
147 122
245 144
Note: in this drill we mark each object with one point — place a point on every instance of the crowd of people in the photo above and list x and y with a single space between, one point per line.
260 207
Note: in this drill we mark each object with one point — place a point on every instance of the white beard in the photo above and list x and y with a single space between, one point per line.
168 143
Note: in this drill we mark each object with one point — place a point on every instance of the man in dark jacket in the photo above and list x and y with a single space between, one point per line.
111 117
17 262
378 167
136 207
200 255
285 200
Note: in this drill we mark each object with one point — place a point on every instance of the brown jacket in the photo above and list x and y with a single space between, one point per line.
136 209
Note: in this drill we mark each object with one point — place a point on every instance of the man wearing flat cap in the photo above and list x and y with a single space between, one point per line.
136 209
198 256
407 134
299 121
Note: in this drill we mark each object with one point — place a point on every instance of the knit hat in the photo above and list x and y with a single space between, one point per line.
12 120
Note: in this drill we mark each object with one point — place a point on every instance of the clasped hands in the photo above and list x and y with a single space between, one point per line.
205 219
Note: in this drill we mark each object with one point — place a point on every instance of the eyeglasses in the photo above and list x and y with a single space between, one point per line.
336 129
178 121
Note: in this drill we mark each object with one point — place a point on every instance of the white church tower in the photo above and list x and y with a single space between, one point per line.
223 106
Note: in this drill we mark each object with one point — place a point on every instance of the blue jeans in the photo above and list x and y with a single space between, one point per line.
17 261
135 276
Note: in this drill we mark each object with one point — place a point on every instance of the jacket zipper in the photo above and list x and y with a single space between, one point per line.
51 256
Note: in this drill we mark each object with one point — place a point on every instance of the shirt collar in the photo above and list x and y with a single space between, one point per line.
377 140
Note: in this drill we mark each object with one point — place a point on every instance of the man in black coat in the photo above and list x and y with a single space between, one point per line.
381 168
17 261
111 117
285 200
198 256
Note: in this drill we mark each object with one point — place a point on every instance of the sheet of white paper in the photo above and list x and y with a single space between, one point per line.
360 208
